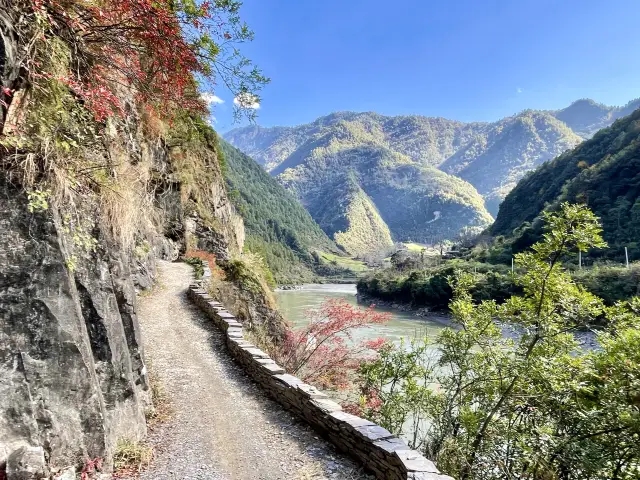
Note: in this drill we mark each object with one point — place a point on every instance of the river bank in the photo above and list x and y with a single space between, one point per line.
317 281
369 300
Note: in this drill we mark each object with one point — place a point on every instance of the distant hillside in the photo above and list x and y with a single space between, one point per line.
349 215
494 161
359 194
585 117
603 172
422 139
277 226
492 157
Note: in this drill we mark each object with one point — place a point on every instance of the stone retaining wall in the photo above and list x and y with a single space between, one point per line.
384 455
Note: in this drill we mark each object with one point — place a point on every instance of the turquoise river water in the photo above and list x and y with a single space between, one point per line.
295 303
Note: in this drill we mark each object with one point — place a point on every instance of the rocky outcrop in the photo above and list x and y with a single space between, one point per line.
72 375
195 216
252 307
27 463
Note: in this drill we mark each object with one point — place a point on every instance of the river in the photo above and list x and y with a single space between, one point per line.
295 303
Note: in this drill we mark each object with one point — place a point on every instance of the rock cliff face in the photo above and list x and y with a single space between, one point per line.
72 378
95 184
72 375
72 372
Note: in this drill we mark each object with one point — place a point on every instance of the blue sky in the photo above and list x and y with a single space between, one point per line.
461 59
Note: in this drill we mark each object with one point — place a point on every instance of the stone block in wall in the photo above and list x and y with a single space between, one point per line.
231 324
309 391
371 433
234 333
428 476
388 446
224 314
287 380
325 406
255 352
346 420
272 369
412 461
241 342
257 364
264 361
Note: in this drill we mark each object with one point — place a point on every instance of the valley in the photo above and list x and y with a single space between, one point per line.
352 295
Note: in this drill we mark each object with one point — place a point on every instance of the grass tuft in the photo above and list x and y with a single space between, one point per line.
131 457
161 410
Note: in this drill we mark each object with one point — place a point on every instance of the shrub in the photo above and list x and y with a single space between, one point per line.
537 406
324 352
612 283
198 259
250 271
429 287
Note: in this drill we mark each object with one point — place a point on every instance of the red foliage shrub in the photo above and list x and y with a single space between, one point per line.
90 467
155 48
324 353
207 257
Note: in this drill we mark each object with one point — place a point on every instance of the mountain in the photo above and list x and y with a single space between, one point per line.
603 172
366 178
277 226
349 215
496 159
585 117
425 140
492 157
359 190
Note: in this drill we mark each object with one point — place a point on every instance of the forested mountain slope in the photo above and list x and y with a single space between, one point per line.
585 117
492 157
277 226
494 161
358 194
423 139
603 172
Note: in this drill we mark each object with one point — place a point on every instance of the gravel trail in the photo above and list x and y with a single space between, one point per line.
223 426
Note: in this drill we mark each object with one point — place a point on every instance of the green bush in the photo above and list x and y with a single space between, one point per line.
537 406
612 283
429 287
197 264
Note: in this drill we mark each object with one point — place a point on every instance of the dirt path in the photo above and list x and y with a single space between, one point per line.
223 426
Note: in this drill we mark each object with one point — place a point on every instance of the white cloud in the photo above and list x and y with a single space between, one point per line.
247 100
210 98
519 90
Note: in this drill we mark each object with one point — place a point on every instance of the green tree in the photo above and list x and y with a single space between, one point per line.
534 405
